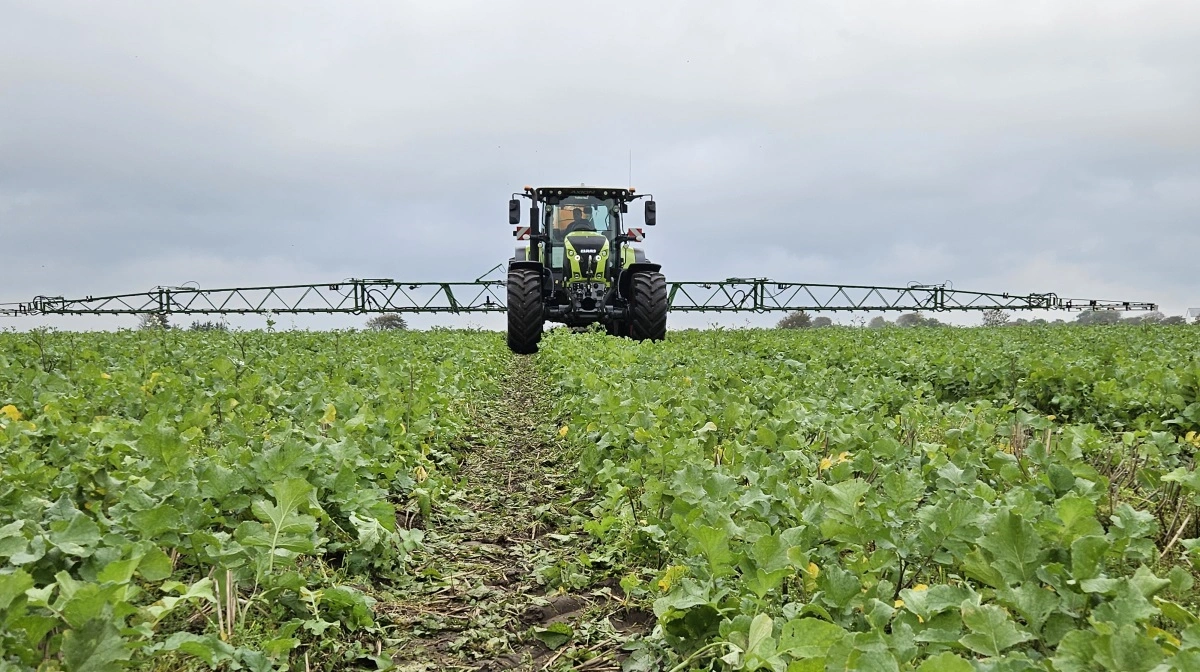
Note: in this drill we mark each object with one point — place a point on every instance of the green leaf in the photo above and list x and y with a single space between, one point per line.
11 539
761 643
769 553
809 637
155 565
88 601
714 545
95 647
934 600
992 631
120 571
1087 556
153 522
1078 515
208 648
1176 613
1032 602
694 624
1015 545
1147 583
77 537
279 648
554 635
841 587
945 662
1181 580
1128 650
1127 607
13 586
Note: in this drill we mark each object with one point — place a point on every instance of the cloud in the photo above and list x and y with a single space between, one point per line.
857 142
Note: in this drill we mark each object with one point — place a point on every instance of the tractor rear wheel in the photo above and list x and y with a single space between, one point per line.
526 314
648 307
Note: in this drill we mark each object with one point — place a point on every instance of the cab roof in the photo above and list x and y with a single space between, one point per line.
620 193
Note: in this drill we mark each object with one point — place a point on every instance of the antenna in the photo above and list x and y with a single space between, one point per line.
630 168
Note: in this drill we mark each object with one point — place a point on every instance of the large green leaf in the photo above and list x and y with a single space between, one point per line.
713 543
77 536
1014 545
992 631
96 646
809 637
13 586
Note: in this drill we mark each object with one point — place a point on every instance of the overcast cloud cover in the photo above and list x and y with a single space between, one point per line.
1007 146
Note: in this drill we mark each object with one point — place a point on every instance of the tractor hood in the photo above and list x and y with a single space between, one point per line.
586 255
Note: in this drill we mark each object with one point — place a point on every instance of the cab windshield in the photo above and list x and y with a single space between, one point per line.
581 213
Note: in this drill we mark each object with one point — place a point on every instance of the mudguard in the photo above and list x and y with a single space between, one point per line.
636 267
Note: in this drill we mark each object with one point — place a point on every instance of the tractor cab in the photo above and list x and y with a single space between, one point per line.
582 230
578 250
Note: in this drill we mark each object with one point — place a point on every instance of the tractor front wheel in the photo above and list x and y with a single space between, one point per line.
526 314
648 307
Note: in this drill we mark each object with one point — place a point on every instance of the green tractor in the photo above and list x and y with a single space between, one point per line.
578 267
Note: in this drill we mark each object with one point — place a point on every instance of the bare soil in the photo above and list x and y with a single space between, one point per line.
491 576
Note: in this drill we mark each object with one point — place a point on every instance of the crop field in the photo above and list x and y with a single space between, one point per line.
931 499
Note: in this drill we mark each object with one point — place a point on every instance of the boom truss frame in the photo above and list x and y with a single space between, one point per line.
384 295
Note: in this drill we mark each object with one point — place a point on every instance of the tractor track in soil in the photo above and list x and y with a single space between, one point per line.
477 599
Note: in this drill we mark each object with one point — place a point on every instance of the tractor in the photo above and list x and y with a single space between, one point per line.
578 267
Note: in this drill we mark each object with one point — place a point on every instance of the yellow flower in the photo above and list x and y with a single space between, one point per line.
919 587
420 474
825 464
330 415
812 569
843 456
669 578
12 412
105 376
898 604
1050 417
562 432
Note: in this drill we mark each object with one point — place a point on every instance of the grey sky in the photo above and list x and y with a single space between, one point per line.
1006 146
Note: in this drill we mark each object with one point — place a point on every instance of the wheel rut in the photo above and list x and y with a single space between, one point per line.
499 583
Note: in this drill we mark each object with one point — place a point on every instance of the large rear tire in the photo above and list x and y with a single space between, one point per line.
526 314
648 307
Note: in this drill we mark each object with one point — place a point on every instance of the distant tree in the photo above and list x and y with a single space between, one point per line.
916 320
151 321
1089 317
210 325
908 320
1020 322
994 317
878 322
796 320
1153 317
822 321
387 322
1174 319
1038 322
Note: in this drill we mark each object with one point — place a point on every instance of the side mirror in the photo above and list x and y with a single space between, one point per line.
514 211
624 207
651 212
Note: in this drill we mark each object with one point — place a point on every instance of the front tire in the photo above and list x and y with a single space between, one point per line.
526 313
648 307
